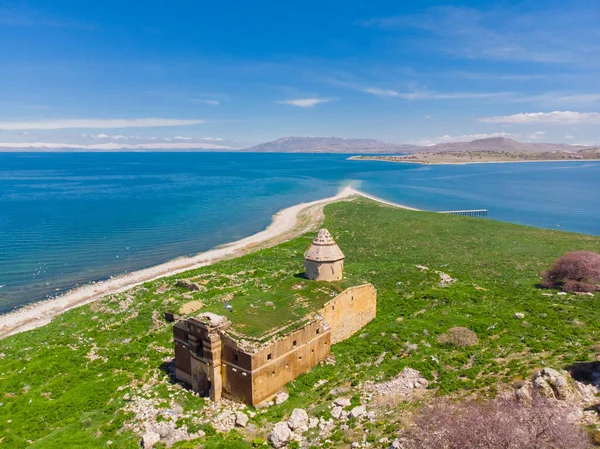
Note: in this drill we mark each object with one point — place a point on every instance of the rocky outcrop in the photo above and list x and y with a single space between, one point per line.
548 382
189 285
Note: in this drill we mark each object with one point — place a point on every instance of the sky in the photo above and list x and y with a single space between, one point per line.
231 74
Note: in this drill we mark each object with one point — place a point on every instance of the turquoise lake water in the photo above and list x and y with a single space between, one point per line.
68 219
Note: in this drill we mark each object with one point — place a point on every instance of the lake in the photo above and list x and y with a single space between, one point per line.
70 218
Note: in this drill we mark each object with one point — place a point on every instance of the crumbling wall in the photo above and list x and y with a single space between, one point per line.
287 357
350 311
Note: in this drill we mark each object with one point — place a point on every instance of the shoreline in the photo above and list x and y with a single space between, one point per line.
286 224
354 158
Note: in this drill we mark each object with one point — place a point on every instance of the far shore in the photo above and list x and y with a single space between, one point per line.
287 224
398 161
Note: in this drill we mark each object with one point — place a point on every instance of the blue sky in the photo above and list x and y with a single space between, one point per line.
104 75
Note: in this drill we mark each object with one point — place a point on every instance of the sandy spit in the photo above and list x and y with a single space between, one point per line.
287 224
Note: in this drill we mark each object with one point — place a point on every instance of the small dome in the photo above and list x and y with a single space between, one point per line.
324 248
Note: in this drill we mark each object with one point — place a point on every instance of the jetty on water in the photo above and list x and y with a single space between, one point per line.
468 213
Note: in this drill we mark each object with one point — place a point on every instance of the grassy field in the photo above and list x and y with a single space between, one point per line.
66 384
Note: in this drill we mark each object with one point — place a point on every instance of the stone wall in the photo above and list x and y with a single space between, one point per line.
287 358
350 311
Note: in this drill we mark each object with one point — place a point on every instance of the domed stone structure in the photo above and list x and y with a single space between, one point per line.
324 260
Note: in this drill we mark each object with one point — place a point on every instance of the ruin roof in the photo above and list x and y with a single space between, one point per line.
324 248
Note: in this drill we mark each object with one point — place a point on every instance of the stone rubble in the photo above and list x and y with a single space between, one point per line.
403 384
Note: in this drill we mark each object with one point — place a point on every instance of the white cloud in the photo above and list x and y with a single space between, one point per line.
96 123
212 138
100 136
182 138
461 138
538 135
307 102
112 146
210 102
554 118
382 92
432 95
569 137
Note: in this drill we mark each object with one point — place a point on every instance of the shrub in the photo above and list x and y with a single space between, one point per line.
503 423
576 271
459 336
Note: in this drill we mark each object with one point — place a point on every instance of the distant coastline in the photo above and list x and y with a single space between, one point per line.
406 160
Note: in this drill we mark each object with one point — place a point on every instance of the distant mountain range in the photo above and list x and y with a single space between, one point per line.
372 146
330 145
498 144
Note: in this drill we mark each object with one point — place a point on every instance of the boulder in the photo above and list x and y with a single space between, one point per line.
342 402
313 422
519 315
149 439
241 419
280 435
299 418
357 412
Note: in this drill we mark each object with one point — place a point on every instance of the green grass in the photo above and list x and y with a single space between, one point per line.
265 300
55 396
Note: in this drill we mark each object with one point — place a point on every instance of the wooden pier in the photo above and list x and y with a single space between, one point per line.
468 213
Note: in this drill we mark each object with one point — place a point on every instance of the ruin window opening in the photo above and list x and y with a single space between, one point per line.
332 307
235 357
268 356
294 343
317 331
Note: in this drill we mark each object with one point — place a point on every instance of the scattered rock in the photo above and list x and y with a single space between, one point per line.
357 412
313 422
410 347
150 439
445 279
519 315
336 412
269 304
396 444
299 418
280 398
241 419
342 402
280 435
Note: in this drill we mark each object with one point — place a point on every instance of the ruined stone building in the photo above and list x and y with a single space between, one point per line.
216 360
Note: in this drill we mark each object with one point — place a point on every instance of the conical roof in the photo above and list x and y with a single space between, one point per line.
324 248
